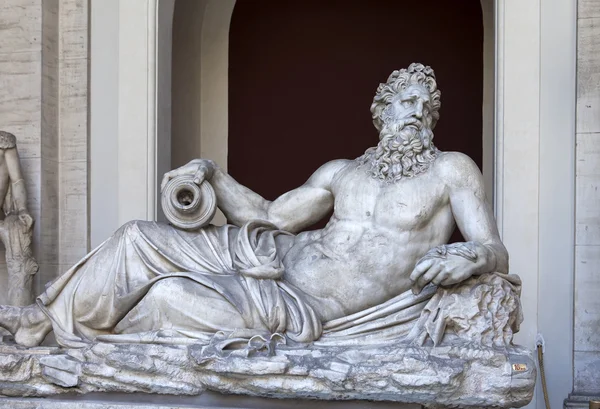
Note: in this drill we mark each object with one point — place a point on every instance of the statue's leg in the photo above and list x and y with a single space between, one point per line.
181 303
29 325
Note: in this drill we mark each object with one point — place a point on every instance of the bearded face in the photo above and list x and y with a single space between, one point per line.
405 148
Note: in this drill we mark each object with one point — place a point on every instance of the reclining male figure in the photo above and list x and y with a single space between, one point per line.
390 207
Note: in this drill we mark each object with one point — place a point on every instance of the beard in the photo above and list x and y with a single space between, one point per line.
404 151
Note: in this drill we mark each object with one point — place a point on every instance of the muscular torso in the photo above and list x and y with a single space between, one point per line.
369 247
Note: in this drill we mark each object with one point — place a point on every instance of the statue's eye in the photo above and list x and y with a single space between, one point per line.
408 103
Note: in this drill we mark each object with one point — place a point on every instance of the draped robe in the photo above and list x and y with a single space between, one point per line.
153 283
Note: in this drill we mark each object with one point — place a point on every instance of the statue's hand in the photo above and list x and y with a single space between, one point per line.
449 269
201 169
26 218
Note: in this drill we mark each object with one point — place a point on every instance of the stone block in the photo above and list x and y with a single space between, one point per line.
20 25
587 373
20 100
588 75
73 29
587 301
588 9
73 211
587 195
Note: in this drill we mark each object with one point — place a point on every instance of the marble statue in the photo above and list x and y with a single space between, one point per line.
380 277
16 227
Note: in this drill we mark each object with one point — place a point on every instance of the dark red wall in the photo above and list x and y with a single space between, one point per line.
303 73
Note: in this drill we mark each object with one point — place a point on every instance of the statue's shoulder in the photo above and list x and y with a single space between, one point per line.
7 140
328 173
332 167
339 163
456 168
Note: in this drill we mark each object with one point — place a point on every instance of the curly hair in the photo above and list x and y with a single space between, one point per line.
398 81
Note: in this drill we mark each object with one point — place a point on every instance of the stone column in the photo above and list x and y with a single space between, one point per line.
586 376
63 223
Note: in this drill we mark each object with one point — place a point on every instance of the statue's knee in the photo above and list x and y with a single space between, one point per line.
164 291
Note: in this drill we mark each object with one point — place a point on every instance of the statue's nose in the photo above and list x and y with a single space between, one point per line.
419 110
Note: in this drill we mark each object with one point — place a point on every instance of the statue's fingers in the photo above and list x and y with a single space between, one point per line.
172 174
420 269
200 175
164 181
441 277
426 278
448 281
454 278
184 170
167 177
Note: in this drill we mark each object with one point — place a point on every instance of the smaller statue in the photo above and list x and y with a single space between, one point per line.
17 226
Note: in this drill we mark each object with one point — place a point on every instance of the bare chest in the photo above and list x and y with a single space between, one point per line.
404 205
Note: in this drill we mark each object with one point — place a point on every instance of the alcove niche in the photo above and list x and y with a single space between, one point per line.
262 88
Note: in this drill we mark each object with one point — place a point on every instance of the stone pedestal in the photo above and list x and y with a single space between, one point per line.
208 400
466 377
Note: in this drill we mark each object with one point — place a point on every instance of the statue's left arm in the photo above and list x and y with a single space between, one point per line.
475 220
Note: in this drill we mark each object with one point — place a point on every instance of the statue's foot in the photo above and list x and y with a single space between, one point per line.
29 325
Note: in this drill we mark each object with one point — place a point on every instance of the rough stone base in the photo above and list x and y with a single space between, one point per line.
437 377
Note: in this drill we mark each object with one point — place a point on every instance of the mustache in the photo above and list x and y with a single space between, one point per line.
412 121
406 128
400 124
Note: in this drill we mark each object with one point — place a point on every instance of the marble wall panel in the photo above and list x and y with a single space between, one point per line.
73 110
74 29
587 372
65 159
73 130
47 252
588 8
50 96
587 219
587 251
588 75
48 248
20 26
587 299
20 99
73 211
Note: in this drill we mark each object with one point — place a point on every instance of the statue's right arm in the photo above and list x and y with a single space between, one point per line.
292 211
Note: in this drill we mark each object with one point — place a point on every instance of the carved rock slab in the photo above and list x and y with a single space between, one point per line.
435 377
